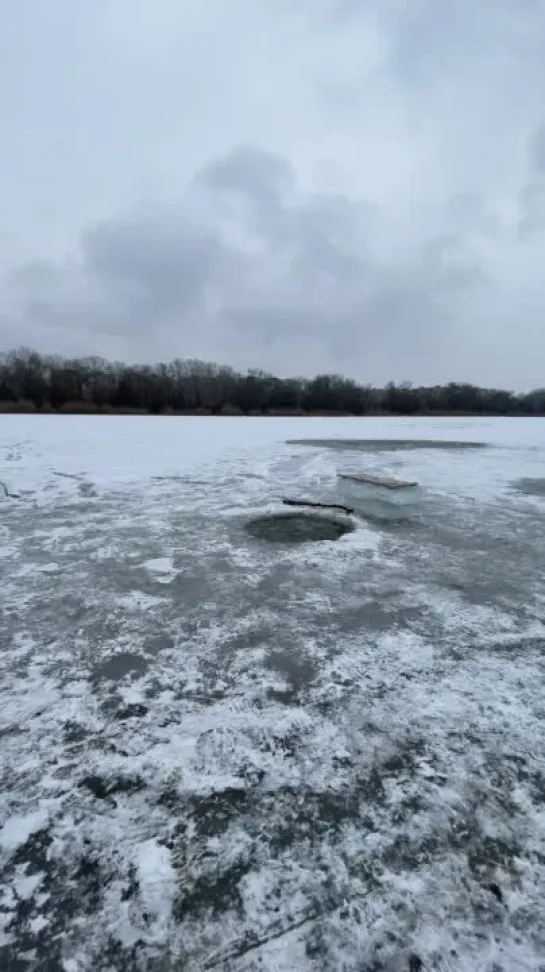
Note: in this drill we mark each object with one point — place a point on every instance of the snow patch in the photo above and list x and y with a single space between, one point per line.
157 885
17 829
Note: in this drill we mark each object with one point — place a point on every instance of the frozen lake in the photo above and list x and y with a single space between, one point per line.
222 752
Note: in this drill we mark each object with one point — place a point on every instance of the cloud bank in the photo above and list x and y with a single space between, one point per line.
303 187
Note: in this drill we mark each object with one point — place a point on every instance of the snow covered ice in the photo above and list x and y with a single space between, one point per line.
223 753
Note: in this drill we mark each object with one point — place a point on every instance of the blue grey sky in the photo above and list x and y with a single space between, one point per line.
297 185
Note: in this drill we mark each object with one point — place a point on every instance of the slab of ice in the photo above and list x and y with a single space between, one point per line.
301 724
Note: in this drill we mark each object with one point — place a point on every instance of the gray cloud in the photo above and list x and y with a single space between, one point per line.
532 195
304 266
343 188
537 151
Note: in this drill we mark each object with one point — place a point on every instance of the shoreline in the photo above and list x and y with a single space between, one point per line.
9 408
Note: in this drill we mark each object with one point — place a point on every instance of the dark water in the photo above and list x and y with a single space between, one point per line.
386 445
294 528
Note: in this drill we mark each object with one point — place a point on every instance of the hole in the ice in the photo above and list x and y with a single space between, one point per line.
385 445
530 487
293 528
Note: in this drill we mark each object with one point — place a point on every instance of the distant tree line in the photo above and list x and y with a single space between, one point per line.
30 381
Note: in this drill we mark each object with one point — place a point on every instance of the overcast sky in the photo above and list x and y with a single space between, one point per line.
299 185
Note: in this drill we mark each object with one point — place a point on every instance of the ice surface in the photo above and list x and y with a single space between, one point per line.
221 753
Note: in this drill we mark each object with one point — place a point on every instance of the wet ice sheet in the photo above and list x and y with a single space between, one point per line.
241 755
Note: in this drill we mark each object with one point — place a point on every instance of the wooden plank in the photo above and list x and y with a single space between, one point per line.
321 506
378 481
